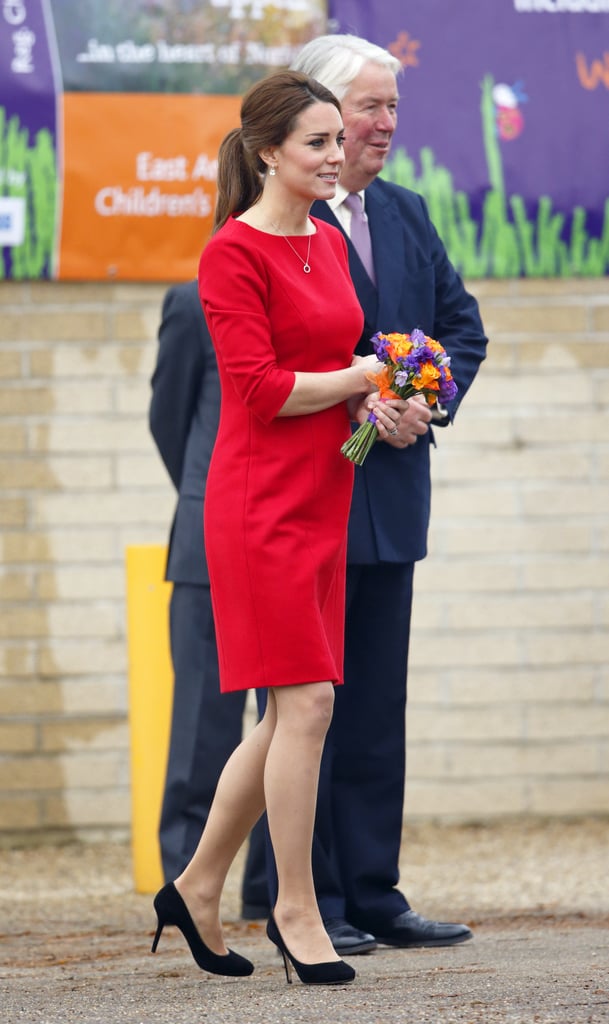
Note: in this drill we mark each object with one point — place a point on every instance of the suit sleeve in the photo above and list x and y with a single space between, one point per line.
178 374
234 289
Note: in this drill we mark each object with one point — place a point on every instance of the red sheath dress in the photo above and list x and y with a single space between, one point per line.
278 490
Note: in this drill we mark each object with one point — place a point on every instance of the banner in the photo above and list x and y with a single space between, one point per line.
502 126
28 142
111 115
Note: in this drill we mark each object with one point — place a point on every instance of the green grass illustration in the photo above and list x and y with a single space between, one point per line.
508 241
29 171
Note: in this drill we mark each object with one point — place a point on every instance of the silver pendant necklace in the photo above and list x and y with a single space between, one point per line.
305 263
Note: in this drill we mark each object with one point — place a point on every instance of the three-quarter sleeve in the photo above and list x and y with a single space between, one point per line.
233 286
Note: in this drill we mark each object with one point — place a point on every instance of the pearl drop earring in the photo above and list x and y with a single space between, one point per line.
272 172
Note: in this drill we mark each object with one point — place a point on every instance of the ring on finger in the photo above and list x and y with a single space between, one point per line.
394 431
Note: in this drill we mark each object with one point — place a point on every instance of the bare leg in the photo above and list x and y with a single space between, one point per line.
290 782
237 805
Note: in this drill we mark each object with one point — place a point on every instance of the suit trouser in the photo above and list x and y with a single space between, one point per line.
360 806
206 727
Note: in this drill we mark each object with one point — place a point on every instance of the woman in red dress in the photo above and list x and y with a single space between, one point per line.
284 319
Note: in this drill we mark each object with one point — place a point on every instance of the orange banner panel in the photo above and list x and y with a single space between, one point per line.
139 183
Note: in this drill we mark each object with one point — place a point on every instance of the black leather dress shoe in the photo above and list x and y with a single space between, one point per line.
410 930
346 939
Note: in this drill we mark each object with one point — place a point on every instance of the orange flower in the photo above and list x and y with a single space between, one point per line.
427 379
399 345
383 381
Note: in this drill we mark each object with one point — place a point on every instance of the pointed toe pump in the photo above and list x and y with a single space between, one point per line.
334 972
171 909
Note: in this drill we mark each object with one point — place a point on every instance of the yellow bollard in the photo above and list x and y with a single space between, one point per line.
150 698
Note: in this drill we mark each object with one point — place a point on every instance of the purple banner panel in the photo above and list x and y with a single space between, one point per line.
28 164
501 121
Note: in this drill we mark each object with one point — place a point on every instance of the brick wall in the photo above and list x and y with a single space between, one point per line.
509 684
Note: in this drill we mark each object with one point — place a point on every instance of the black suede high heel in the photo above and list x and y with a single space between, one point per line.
171 909
334 972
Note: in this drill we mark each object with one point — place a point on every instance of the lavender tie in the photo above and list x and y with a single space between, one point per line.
360 233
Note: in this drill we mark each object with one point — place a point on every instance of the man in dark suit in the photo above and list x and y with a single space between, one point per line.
411 284
206 725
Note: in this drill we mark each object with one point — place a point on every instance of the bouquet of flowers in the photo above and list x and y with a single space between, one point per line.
413 365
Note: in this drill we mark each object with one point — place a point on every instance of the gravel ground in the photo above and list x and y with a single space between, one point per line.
75 940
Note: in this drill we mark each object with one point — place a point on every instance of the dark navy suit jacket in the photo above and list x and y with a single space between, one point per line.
184 414
417 286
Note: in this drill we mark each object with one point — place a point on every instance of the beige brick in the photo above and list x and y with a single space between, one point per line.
542 318
92 619
16 662
18 737
577 647
132 396
587 355
600 318
30 773
519 539
94 697
474 649
12 438
567 722
522 684
135 325
13 512
521 395
26 401
78 583
68 546
23 622
10 364
463 802
525 464
19 813
95 436
16 586
586 795
84 807
14 293
141 471
474 723
30 699
541 427
70 293
91 771
82 398
525 759
463 576
26 474
149 294
77 734
560 501
103 509
518 612
107 360
54 325
82 658
426 760
591 572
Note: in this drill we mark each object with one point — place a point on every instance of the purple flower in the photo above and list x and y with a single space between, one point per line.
379 345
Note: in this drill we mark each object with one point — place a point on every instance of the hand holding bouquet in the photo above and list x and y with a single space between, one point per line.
413 365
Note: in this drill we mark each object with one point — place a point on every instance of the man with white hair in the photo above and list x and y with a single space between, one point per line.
408 282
